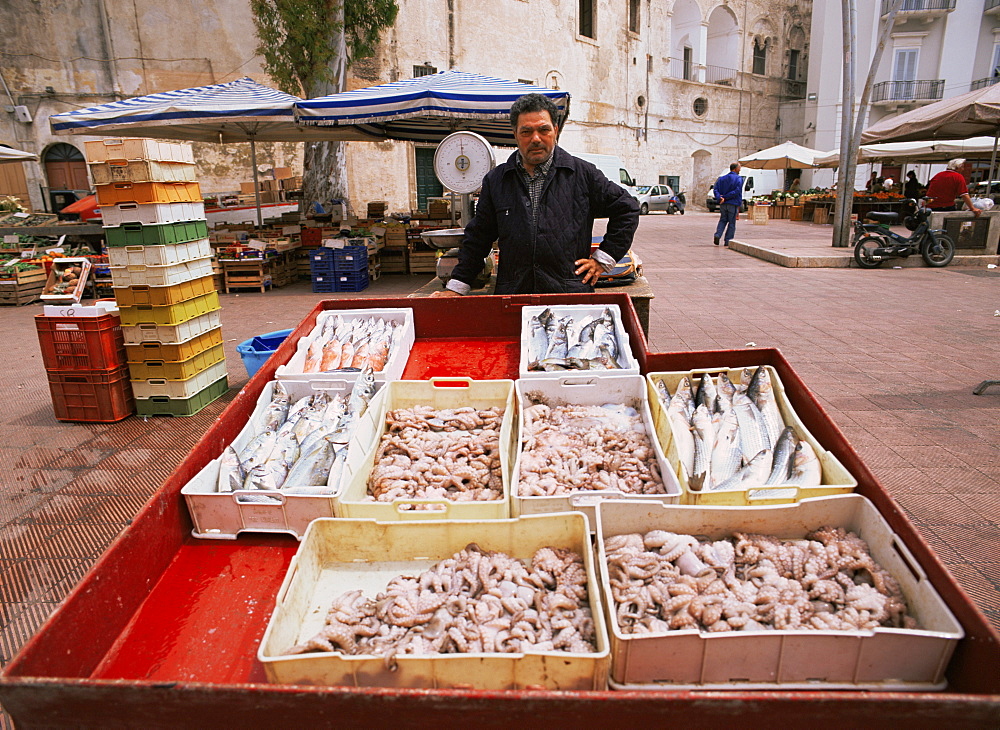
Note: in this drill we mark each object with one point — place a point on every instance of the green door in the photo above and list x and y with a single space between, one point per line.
427 182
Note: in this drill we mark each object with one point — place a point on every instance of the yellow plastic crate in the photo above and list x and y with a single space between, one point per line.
835 477
177 370
148 192
162 296
169 315
179 388
173 352
337 556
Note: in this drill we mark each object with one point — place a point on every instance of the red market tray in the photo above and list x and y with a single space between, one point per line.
172 623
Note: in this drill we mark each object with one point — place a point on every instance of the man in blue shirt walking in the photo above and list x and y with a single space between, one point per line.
728 191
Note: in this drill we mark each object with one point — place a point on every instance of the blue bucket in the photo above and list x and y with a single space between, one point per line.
256 350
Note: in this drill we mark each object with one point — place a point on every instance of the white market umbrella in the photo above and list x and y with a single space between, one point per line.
427 108
236 111
924 151
9 154
781 157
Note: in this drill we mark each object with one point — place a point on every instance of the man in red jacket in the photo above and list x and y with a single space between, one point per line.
948 185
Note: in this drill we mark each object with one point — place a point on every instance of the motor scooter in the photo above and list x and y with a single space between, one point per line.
875 243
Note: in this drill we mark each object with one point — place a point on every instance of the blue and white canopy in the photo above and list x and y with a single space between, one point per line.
236 111
427 108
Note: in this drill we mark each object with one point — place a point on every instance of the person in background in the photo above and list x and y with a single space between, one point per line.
874 184
912 186
540 206
795 186
728 191
950 184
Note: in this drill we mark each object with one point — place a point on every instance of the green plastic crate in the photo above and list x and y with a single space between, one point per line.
160 405
164 234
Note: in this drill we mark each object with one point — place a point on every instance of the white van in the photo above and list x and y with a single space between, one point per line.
755 182
612 167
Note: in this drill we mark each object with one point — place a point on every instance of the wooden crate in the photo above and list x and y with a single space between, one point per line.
821 214
795 212
423 262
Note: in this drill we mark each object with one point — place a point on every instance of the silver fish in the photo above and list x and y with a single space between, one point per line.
663 392
752 474
604 334
362 392
784 450
726 456
753 437
704 444
726 390
807 471
312 468
285 453
558 341
261 477
258 450
768 406
684 398
277 410
231 472
538 340
706 393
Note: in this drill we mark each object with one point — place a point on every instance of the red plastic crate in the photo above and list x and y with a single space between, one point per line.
81 343
93 397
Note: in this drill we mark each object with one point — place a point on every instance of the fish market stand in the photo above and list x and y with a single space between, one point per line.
164 629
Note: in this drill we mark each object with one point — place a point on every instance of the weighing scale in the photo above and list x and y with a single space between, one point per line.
461 161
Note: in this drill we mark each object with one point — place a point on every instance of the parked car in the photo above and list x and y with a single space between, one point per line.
659 197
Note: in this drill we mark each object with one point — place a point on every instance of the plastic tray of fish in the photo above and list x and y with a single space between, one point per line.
556 341
355 499
620 393
222 505
338 556
746 446
358 326
880 658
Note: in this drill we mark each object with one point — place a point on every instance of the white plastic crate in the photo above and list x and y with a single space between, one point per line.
103 173
149 214
179 389
835 479
144 275
141 148
881 659
440 393
159 255
577 312
587 390
172 334
223 515
337 556
394 366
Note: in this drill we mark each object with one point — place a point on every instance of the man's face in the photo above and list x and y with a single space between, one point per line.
536 136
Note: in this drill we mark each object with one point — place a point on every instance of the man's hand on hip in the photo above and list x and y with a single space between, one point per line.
590 268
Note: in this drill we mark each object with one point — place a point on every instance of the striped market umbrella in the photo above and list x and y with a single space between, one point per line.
427 108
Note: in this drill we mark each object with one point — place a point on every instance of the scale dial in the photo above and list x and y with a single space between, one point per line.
462 160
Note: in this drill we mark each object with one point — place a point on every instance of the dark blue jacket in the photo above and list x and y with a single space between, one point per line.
730 187
575 193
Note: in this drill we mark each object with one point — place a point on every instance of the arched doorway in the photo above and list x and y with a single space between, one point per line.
702 176
65 168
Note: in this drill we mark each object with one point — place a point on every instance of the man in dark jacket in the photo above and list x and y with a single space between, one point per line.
540 206
728 191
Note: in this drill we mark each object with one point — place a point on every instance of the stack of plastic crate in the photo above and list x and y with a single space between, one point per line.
350 268
161 273
84 358
321 268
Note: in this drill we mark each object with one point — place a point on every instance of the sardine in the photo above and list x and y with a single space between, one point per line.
784 450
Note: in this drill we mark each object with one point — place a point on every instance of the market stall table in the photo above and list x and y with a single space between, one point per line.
91 233
172 623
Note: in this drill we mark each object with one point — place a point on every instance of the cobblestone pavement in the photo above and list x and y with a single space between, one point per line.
892 354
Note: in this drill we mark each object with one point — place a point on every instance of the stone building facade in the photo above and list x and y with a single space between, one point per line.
676 88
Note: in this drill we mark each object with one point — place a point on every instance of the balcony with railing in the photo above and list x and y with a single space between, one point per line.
983 83
926 10
898 93
679 68
992 7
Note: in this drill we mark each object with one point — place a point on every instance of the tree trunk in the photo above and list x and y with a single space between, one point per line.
324 167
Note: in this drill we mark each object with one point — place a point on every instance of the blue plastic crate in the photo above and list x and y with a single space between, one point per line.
350 259
256 350
322 267
326 283
352 281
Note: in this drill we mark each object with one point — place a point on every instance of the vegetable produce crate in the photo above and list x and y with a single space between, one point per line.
143 351
177 369
180 388
94 396
835 479
578 312
21 276
137 234
439 393
67 280
587 390
398 354
160 405
151 214
759 215
353 282
131 148
159 255
81 343
795 212
166 275
18 296
169 315
247 274
337 556
103 173
148 192
175 334
223 515
878 659
350 259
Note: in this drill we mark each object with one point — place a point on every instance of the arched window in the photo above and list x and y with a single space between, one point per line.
65 168
759 56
